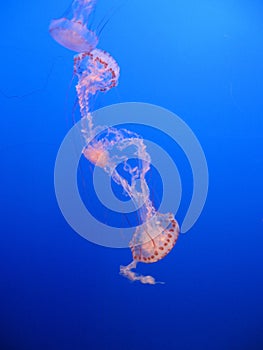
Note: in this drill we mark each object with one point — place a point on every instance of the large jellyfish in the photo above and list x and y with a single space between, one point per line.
106 147
150 243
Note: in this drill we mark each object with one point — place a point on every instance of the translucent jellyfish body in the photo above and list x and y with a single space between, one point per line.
151 242
73 33
97 155
96 70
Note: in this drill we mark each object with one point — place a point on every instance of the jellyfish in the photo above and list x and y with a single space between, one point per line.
150 243
73 33
107 147
96 71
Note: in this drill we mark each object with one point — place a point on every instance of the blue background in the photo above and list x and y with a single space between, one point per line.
203 60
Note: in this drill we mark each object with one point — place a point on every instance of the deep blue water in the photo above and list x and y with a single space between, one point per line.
203 60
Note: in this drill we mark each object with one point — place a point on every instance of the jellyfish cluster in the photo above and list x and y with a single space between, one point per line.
97 71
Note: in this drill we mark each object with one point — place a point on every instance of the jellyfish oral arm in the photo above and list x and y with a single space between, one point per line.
132 276
82 9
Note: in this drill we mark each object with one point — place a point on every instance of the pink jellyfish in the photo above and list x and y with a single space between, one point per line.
73 33
151 242
96 71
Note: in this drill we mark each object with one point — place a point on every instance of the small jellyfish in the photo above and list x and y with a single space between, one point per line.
73 33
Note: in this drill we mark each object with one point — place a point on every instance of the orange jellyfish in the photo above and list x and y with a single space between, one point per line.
73 33
151 242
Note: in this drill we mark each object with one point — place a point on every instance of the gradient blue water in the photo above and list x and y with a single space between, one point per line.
204 61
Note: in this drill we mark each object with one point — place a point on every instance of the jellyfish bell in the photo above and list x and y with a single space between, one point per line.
150 243
153 240
96 70
74 35
73 30
97 155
